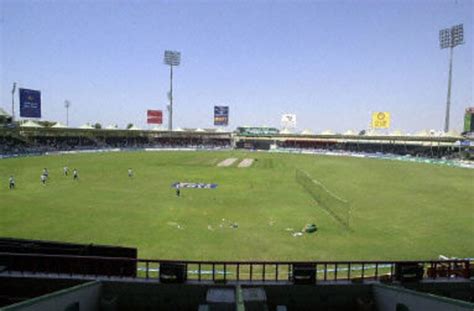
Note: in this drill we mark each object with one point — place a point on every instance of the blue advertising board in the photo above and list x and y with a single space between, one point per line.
30 103
221 115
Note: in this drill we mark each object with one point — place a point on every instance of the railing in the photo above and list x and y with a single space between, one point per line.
265 271
235 271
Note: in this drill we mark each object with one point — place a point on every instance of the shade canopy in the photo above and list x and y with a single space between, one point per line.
86 126
59 125
30 123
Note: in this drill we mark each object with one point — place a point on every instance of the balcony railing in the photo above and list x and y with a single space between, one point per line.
235 271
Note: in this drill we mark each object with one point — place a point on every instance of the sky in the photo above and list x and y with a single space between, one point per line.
332 63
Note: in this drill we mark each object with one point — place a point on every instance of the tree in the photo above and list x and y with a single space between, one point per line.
129 126
97 126
362 132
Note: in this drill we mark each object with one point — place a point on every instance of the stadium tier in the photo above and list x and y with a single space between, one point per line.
40 140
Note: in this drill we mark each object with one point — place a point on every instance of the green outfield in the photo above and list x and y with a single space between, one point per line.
398 210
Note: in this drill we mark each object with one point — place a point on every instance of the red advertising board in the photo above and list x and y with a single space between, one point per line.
154 117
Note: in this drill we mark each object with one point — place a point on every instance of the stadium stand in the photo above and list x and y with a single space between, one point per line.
42 140
48 139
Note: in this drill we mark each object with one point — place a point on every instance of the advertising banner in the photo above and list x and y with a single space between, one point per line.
221 115
469 120
154 117
30 103
381 120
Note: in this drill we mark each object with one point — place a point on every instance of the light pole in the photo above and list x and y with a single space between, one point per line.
172 58
13 101
67 104
449 38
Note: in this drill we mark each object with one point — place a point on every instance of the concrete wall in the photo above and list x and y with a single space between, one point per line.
320 297
143 295
461 290
152 296
388 297
18 289
84 297
148 296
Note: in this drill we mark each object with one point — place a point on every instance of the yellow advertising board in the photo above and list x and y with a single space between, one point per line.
381 120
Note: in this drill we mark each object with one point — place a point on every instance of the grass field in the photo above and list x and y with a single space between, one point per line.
399 210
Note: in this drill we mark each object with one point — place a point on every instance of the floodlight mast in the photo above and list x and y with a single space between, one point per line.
450 38
13 101
171 58
67 104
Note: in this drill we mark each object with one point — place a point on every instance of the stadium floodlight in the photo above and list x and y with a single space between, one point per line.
172 58
450 38
13 100
67 104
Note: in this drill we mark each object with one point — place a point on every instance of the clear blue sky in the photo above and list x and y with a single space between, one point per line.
331 63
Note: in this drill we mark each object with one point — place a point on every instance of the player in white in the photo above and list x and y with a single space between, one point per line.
66 170
45 172
11 182
43 179
130 173
75 176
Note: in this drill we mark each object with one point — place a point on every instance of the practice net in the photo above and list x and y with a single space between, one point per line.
337 207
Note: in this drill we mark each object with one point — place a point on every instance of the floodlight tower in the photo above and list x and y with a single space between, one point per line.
13 101
172 58
67 104
450 38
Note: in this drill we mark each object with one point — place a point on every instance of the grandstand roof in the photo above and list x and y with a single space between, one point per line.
373 132
158 129
30 123
3 113
86 126
423 133
327 132
396 133
452 133
59 125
